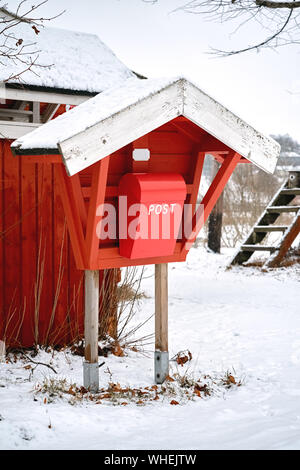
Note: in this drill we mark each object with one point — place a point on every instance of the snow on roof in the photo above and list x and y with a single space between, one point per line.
119 115
73 61
89 113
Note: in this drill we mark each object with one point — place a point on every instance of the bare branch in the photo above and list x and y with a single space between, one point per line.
276 5
261 44
16 49
280 19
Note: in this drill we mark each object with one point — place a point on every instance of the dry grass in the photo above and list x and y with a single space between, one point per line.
178 389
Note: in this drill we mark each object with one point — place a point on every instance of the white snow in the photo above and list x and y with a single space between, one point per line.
71 60
192 102
94 110
243 320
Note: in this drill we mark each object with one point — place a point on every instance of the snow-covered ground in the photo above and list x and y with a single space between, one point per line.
243 320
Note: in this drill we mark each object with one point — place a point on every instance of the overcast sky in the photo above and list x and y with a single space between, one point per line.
263 88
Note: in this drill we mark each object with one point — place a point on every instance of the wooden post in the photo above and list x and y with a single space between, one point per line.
91 321
161 355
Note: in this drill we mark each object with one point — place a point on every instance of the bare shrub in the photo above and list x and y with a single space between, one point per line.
245 197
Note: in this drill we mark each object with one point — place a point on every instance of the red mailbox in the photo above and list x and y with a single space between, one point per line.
150 213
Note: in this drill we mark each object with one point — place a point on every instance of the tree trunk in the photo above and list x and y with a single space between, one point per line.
215 219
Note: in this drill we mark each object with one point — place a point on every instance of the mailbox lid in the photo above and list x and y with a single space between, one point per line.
153 187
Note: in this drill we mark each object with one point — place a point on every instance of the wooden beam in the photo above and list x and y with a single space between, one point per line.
91 326
49 112
112 191
196 135
73 216
286 243
41 96
210 144
98 187
161 323
14 113
14 129
36 112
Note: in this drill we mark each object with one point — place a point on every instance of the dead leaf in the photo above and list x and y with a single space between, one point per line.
45 401
124 403
19 42
118 351
183 356
231 379
116 387
28 367
169 379
182 360
37 31
174 402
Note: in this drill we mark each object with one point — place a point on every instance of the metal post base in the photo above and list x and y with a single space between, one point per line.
91 376
161 366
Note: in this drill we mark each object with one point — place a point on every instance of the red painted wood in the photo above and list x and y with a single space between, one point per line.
98 189
58 324
2 324
26 211
45 238
28 246
12 300
73 216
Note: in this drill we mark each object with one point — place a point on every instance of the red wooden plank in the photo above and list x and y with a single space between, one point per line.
77 191
44 279
12 253
29 248
2 313
41 159
73 216
58 322
98 188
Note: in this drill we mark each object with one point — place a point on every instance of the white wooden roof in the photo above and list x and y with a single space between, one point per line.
119 115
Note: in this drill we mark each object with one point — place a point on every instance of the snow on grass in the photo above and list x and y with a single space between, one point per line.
242 321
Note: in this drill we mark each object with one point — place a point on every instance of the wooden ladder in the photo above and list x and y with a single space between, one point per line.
278 205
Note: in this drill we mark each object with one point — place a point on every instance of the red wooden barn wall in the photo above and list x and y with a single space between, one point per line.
41 295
